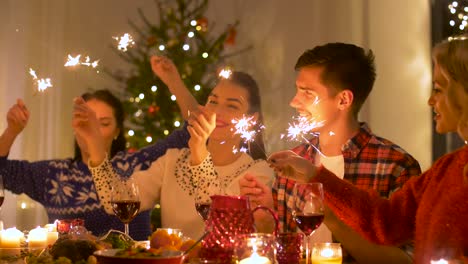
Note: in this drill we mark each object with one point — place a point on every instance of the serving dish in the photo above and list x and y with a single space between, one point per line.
108 256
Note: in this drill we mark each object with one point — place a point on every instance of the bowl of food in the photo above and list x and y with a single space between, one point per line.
140 256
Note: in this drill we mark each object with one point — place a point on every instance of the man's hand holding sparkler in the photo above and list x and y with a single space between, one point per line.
290 165
201 124
88 136
17 119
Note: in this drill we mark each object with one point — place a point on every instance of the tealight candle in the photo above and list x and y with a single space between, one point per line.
52 234
326 253
10 238
37 237
255 259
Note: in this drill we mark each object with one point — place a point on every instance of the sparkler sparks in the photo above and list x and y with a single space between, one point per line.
225 73
301 127
245 127
42 84
124 41
75 61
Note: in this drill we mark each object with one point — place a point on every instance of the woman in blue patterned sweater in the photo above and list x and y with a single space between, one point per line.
65 186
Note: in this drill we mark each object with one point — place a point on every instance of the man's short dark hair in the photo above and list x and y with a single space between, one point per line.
345 67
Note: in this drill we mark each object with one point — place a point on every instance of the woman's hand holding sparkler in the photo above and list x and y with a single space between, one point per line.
88 135
290 165
17 119
201 124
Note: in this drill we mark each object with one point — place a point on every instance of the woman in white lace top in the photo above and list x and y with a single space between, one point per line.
211 162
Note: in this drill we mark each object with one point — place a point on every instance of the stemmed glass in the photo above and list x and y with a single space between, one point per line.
125 200
203 200
308 210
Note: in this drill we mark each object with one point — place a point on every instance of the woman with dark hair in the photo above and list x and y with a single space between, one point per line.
65 186
208 166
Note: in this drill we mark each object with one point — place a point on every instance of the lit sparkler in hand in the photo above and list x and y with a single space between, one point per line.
225 73
301 128
245 127
42 84
125 41
75 61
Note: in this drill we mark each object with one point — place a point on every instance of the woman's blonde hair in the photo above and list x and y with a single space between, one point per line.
452 58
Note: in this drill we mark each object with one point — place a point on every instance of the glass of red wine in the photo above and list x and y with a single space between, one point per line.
308 210
203 200
125 200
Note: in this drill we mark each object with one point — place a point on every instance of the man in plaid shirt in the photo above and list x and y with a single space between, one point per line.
332 83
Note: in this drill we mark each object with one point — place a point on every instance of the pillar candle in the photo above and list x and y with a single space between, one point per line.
10 238
37 237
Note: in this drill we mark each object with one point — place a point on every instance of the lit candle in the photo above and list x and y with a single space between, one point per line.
52 237
255 259
440 261
326 253
10 238
37 237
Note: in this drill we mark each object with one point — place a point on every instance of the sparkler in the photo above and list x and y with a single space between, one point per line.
225 73
42 84
301 127
124 42
75 61
245 128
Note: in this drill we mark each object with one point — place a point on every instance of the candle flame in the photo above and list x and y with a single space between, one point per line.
440 261
124 42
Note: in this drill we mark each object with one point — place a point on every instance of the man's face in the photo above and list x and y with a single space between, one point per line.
313 99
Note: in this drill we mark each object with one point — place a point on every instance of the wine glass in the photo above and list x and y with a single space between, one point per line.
125 200
203 200
308 210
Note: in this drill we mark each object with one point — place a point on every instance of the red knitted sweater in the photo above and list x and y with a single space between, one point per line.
432 209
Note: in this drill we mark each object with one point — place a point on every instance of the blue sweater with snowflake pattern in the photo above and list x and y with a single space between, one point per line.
66 189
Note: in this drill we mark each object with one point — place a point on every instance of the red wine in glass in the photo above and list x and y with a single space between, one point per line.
125 210
308 222
203 210
125 200
308 209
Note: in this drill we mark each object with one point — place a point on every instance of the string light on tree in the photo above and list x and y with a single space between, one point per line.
458 15
197 49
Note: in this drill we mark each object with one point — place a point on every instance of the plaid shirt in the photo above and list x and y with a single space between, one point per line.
371 162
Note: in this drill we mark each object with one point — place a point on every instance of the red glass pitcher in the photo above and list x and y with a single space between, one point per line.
229 217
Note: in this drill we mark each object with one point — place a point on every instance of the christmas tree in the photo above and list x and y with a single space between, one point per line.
184 35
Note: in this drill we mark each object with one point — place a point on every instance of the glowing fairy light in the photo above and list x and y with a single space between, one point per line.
225 73
75 61
42 84
124 42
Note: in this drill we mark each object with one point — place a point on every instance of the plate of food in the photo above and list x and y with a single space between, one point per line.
165 246
140 256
